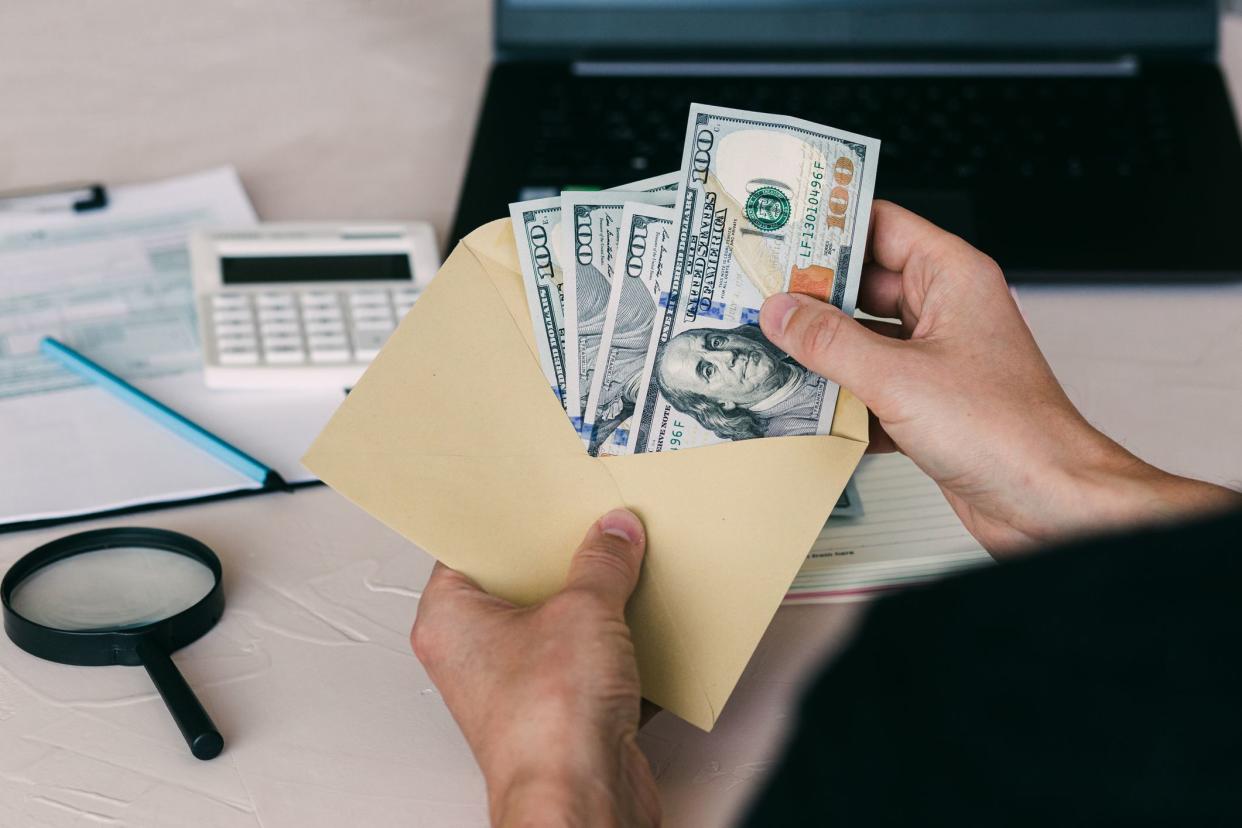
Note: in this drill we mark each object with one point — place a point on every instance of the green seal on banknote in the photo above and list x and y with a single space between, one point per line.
768 208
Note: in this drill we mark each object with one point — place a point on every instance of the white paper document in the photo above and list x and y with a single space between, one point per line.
115 284
907 534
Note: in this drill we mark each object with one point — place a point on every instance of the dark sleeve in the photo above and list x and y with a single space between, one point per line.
1098 684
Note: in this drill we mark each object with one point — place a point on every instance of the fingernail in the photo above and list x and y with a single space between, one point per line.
622 523
774 316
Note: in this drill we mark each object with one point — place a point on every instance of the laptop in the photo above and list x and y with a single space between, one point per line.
1072 140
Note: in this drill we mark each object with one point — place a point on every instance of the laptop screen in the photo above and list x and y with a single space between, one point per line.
805 29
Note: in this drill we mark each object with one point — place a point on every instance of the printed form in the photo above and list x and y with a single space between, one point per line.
115 284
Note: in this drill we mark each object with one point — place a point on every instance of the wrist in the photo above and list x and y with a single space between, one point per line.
548 798
601 783
549 771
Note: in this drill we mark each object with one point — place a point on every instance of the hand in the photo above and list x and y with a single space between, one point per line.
963 390
548 696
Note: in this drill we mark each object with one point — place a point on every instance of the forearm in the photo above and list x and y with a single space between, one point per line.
1148 494
1045 492
1115 490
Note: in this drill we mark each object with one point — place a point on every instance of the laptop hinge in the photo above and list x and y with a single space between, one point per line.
1122 66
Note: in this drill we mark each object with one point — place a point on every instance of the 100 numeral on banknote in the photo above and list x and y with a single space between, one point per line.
766 204
542 247
536 229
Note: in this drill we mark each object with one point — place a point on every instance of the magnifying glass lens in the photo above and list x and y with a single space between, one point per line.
116 588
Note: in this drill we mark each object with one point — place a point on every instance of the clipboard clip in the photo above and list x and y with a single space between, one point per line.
77 197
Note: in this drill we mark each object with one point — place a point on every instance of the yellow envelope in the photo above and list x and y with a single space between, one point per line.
453 439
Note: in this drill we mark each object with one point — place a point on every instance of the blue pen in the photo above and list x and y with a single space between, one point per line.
231 456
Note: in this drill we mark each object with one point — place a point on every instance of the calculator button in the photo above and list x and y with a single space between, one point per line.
281 338
275 300
368 297
382 325
281 343
327 341
235 339
274 328
233 315
373 315
284 354
403 309
237 355
329 328
328 314
329 354
278 315
318 299
405 296
233 328
229 301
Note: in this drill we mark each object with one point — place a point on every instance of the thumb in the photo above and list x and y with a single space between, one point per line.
608 561
825 340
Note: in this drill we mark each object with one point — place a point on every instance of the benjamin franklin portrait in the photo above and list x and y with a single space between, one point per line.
738 384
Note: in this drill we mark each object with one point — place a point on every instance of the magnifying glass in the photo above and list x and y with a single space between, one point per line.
121 596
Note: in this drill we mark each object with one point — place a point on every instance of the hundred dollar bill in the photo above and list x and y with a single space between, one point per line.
536 230
767 203
639 285
592 229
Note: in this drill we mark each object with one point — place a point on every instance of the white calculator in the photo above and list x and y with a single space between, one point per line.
304 305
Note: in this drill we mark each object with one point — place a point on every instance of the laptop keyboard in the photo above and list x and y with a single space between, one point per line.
936 132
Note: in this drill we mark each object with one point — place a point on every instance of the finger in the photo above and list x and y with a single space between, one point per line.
830 343
901 239
879 292
608 561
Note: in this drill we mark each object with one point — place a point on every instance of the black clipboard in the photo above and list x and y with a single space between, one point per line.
78 197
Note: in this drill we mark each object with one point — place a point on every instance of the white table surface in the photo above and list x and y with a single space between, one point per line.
365 109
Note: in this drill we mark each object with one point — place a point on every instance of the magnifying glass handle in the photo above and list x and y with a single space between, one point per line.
200 734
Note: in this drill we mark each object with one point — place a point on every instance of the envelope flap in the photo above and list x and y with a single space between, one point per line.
851 420
493 245
457 377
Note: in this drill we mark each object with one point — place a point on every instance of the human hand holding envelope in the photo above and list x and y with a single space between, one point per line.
453 439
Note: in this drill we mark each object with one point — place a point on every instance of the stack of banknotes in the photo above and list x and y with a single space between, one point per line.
645 298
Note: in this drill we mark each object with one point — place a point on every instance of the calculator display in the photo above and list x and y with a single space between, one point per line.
377 267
